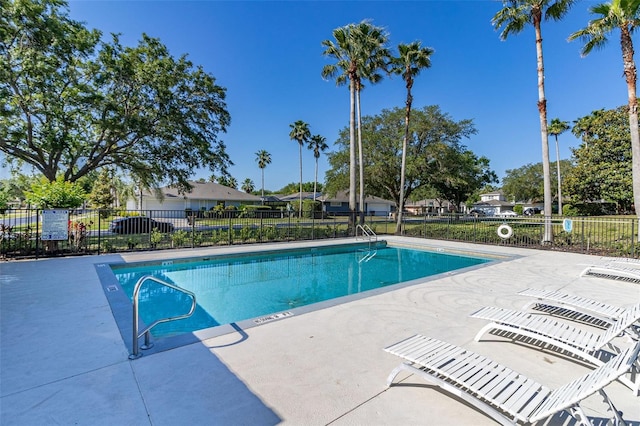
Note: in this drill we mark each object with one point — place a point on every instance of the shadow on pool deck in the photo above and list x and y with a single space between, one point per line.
63 360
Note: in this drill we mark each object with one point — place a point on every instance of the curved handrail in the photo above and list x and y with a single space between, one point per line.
146 332
366 232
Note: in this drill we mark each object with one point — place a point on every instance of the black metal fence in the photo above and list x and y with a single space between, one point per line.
24 233
599 235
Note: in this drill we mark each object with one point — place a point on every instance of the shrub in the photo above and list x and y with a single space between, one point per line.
246 233
4 201
570 210
179 238
156 237
107 246
270 233
57 194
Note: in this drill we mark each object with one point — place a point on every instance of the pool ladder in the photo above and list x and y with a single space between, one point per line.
147 331
367 233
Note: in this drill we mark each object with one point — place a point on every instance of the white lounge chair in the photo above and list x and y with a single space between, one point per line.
630 261
616 270
501 393
579 342
573 307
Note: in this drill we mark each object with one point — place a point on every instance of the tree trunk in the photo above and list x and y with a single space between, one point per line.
542 109
559 177
631 77
315 184
352 156
300 206
361 207
404 157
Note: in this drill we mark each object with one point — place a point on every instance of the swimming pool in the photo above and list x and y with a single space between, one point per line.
265 286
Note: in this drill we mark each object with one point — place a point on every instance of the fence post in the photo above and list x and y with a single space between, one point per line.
633 239
99 231
193 231
38 239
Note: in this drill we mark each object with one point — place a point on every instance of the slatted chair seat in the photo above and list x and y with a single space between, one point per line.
613 270
573 307
579 342
503 394
630 261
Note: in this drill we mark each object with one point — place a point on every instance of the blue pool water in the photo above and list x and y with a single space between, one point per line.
230 289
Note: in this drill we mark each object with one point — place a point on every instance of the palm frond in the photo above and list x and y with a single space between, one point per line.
558 9
594 35
513 18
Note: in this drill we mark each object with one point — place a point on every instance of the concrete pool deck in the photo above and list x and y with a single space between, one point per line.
63 360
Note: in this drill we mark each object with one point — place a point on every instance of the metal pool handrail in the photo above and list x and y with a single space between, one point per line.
147 331
371 236
367 232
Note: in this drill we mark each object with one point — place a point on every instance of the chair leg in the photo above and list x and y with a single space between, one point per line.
396 371
617 416
483 330
578 413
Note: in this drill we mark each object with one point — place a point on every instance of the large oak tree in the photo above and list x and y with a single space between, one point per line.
73 104
603 160
435 156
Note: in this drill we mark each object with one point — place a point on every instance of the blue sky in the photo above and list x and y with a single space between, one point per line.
268 55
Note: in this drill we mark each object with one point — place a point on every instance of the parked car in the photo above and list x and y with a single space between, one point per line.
507 213
138 225
476 212
530 211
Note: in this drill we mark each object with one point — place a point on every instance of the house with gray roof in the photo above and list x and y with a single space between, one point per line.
339 205
429 206
493 203
203 196
296 196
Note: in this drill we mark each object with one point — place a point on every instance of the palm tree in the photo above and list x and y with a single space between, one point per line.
625 15
232 183
248 186
514 17
227 180
263 158
317 144
557 127
373 55
345 69
300 132
359 51
411 59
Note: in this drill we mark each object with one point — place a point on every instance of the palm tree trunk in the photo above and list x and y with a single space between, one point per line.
631 77
404 158
315 184
542 109
360 158
559 177
300 206
263 186
352 155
